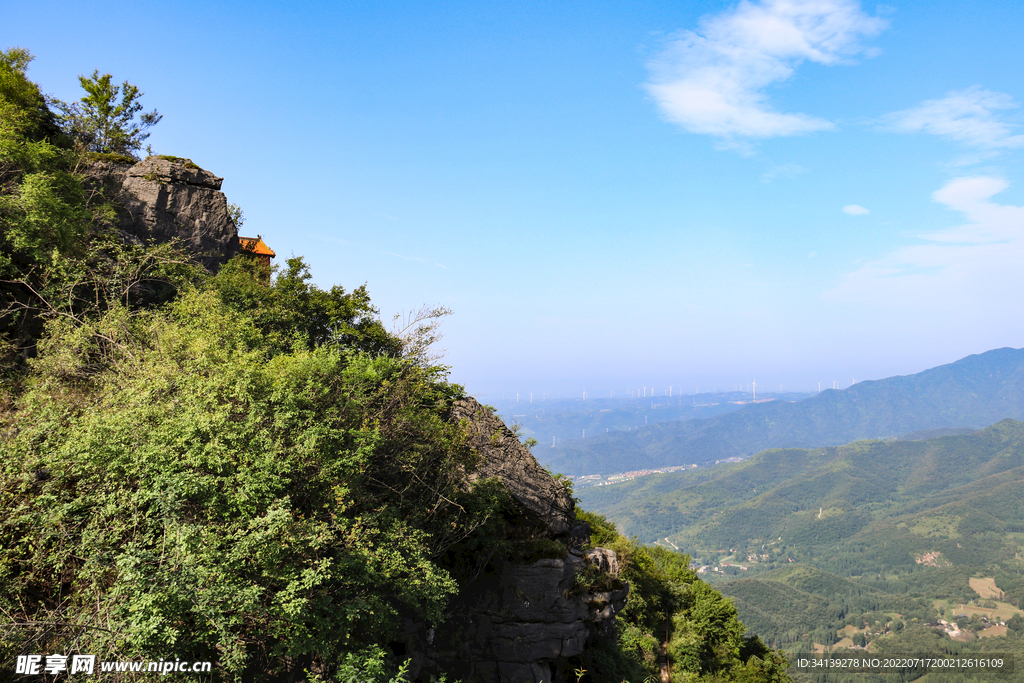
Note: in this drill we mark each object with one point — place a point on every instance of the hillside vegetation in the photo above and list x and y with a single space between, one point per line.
878 536
246 469
973 392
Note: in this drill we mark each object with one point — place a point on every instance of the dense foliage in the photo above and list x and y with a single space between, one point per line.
195 486
673 623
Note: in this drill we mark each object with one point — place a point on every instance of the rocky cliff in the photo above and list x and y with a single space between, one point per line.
524 620
163 198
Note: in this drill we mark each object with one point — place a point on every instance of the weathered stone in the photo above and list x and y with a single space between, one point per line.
518 672
175 171
544 500
165 198
605 560
529 618
521 622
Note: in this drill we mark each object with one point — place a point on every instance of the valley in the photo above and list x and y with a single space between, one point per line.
911 541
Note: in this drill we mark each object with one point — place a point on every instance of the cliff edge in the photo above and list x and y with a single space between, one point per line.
523 618
163 198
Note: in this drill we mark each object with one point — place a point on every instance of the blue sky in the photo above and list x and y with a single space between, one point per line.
608 195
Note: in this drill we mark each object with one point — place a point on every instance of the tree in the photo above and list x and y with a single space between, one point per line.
43 209
418 331
292 311
103 124
237 215
22 105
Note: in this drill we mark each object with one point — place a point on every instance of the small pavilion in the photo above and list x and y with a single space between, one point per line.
256 247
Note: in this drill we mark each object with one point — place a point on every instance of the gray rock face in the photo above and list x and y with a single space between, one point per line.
544 500
521 622
164 198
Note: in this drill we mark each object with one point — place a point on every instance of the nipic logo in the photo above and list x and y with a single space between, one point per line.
28 665
55 664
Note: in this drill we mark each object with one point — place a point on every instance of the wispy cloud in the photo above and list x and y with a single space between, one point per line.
712 80
970 265
966 115
783 171
417 259
855 210
329 238
403 256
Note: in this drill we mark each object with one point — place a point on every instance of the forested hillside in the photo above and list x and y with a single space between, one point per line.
873 537
973 392
230 464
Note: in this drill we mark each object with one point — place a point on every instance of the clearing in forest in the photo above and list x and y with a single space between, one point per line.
986 588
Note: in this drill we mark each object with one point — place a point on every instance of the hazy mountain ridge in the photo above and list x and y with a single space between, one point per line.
974 392
555 420
882 527
896 475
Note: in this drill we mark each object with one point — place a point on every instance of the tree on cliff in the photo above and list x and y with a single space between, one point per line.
24 107
43 210
102 123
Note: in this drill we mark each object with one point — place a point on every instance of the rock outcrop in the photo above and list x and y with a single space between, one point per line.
164 198
544 501
524 621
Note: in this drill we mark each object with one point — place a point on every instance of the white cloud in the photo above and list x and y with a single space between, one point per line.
711 81
855 210
970 267
965 115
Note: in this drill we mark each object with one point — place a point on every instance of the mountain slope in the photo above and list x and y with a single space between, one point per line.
809 540
823 495
973 392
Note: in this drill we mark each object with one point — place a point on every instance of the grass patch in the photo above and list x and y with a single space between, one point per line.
986 588
188 162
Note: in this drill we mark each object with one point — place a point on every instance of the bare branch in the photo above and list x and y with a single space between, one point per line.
418 331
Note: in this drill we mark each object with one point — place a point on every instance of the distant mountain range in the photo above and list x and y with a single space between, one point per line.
909 522
821 496
553 420
971 393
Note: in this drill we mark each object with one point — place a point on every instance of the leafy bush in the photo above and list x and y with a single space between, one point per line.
673 618
208 491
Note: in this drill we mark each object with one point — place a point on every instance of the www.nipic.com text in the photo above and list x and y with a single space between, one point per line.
86 664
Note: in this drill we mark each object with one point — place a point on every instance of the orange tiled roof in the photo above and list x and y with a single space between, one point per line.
255 245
